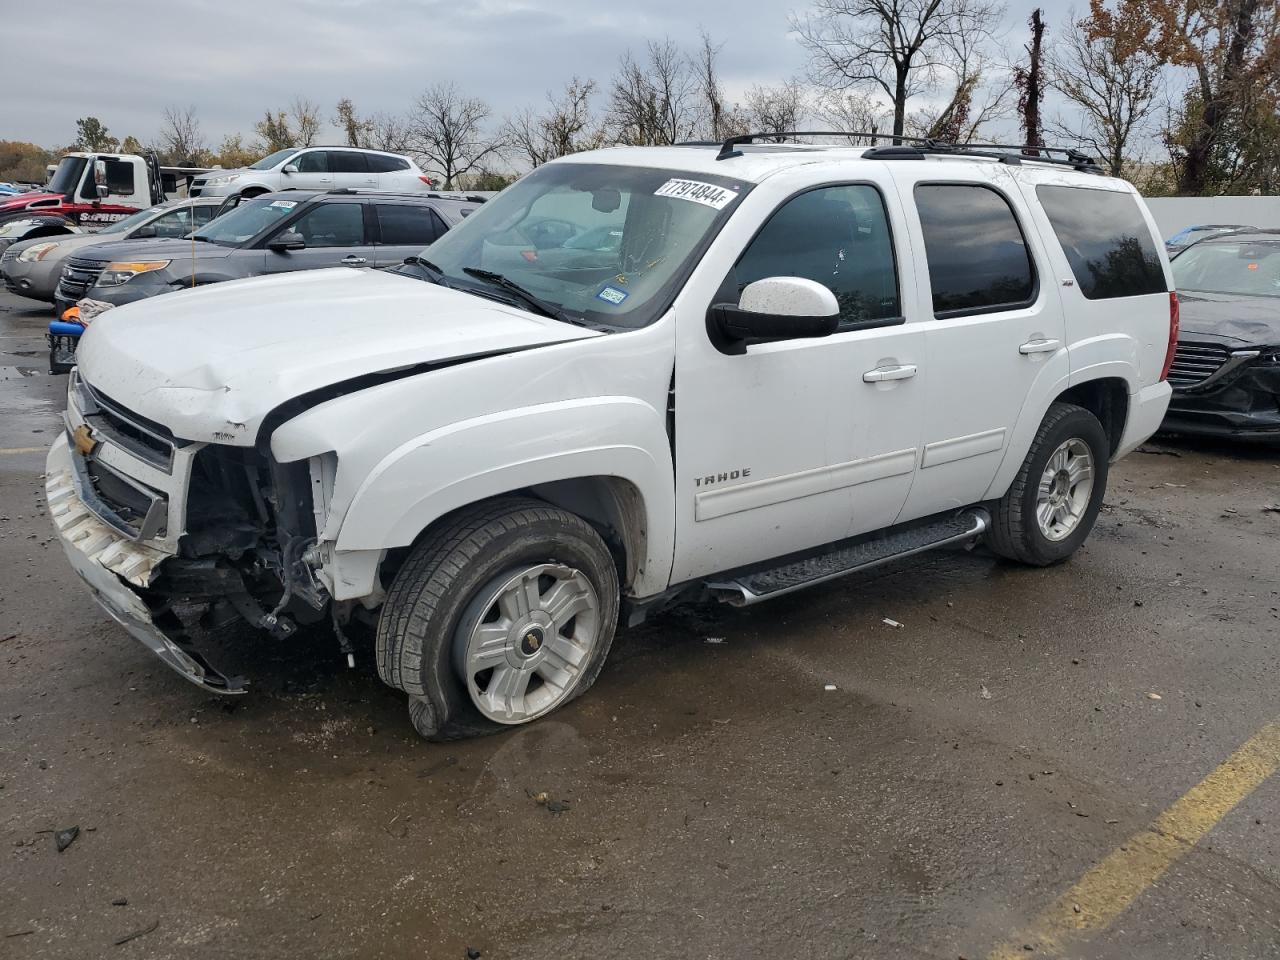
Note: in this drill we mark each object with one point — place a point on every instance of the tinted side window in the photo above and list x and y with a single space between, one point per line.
408 225
1106 240
381 164
978 257
347 161
313 161
332 225
838 236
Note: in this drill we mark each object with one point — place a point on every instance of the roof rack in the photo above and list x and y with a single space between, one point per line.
917 148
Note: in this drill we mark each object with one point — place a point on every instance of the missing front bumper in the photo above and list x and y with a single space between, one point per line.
108 563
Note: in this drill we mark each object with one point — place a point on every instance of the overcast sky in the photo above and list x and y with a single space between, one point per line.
126 60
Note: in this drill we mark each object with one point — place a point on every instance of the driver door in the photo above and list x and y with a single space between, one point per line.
788 445
335 236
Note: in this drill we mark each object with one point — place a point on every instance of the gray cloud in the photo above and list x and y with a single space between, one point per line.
232 59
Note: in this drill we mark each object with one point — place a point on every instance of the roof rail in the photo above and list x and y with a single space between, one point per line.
916 148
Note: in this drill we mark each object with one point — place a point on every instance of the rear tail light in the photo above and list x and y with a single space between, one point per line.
1174 324
427 181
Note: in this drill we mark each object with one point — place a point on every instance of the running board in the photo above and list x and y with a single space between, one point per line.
753 586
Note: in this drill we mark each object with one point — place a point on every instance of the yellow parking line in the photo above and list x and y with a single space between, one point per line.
8 450
1108 889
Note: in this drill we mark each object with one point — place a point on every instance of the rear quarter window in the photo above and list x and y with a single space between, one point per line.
1106 241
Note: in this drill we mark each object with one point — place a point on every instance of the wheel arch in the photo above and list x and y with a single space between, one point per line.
1107 398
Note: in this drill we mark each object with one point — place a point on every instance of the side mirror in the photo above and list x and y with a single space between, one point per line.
779 308
289 168
289 240
99 171
144 232
103 191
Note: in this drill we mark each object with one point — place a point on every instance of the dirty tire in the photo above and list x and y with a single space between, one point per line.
1015 532
440 579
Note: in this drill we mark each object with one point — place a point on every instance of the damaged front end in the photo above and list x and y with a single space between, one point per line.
173 536
1224 389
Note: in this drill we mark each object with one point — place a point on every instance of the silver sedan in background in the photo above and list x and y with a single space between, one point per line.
31 268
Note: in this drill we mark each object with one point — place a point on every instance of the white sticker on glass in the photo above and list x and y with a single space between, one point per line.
708 194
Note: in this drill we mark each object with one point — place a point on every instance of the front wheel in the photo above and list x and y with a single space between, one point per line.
504 614
1055 497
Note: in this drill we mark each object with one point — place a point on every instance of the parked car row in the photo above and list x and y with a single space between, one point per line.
232 230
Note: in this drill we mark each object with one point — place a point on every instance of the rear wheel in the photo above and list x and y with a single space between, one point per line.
503 615
1054 499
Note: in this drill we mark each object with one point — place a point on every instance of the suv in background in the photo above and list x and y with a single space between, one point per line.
316 168
636 376
273 233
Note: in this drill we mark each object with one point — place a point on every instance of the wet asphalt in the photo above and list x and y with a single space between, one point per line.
714 798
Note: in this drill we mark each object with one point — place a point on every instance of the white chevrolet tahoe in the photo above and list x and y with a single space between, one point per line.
637 376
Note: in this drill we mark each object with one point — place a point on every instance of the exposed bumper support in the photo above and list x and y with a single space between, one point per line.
105 560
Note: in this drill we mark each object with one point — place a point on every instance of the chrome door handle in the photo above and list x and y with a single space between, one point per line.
1039 346
353 261
903 371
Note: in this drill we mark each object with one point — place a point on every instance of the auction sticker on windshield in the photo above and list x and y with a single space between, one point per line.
707 194
284 204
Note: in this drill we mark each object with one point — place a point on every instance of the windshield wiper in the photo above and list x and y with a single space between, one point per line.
529 299
438 275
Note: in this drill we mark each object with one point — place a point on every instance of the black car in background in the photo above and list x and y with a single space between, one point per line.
1226 371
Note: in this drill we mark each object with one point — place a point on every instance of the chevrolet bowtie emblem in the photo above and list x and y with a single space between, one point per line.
83 439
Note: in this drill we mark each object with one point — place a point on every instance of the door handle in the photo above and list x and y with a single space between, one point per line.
352 260
1039 346
903 371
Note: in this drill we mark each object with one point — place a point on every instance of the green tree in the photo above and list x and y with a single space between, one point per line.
92 136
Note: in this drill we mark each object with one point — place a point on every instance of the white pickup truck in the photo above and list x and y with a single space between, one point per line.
637 376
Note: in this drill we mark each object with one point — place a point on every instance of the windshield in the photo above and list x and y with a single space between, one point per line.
269 161
246 221
1247 269
67 177
601 243
131 221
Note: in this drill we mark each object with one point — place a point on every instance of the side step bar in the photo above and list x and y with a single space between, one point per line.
752 586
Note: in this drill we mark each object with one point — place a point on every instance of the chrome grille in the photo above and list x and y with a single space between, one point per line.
78 276
1195 362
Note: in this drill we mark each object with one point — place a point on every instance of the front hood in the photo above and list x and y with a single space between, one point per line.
21 201
1253 321
171 248
211 364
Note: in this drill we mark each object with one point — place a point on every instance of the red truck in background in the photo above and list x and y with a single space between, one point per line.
89 191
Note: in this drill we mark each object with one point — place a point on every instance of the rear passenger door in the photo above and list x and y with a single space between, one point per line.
995 340
404 229
351 170
335 236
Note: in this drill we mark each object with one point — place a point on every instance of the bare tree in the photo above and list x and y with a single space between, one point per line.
297 126
1030 83
355 130
653 102
717 119
776 110
567 126
980 92
854 112
386 131
895 46
1113 81
446 129
181 139
306 121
